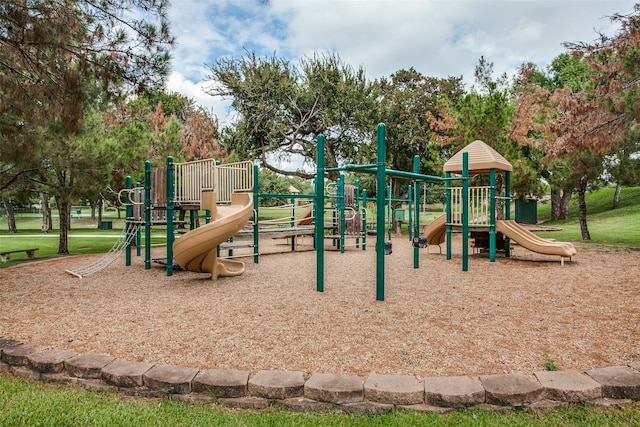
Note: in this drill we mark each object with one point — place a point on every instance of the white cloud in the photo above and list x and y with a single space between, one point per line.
439 38
195 90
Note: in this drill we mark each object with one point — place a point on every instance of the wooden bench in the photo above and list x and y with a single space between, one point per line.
31 254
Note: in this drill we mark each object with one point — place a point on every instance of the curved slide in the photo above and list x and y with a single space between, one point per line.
196 250
436 231
534 243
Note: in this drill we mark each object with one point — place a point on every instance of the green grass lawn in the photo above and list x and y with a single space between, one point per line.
29 404
618 227
606 225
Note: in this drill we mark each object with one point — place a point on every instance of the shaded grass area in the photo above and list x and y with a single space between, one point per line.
83 239
620 226
25 403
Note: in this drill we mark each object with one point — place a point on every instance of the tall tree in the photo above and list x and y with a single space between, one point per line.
405 99
534 109
486 113
59 56
614 63
282 108
199 138
596 121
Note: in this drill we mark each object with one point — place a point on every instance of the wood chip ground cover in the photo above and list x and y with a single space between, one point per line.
507 316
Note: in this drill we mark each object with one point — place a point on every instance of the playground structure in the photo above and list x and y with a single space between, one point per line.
466 207
224 192
483 202
229 196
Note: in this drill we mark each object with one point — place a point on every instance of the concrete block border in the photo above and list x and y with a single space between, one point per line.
303 392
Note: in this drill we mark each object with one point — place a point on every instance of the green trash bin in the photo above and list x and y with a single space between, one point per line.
399 215
106 225
526 211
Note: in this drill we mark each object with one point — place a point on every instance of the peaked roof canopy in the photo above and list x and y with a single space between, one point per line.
482 159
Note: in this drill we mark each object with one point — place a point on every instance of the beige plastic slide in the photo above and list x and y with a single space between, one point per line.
196 250
306 217
534 243
436 231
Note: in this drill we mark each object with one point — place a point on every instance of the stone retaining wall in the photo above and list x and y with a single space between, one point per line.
319 391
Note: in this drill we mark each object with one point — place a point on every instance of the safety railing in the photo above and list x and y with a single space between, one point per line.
233 178
193 177
479 206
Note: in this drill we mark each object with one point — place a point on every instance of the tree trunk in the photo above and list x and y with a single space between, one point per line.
47 221
92 206
499 203
100 209
11 217
556 204
582 209
564 203
616 196
560 199
64 211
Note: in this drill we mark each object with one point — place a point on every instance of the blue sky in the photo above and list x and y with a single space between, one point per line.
439 38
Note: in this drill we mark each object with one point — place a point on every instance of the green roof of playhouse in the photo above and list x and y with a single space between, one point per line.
482 159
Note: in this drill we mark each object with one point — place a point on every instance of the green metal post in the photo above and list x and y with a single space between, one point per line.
465 211
129 228
319 215
292 221
389 212
256 225
357 207
341 210
364 221
147 215
507 214
447 196
170 212
416 230
492 216
192 219
380 202
410 211
138 231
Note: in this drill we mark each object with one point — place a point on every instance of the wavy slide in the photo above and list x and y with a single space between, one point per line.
534 243
196 250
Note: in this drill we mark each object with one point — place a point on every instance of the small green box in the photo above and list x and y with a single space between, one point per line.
526 211
106 225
